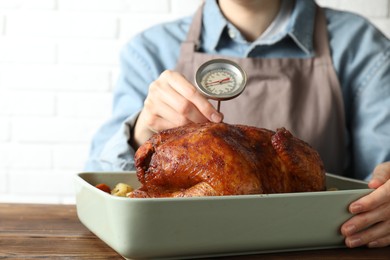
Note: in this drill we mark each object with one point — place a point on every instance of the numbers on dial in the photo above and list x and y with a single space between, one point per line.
219 81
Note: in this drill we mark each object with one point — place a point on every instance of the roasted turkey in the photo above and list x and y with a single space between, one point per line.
216 159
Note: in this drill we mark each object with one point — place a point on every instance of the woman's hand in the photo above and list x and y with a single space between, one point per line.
172 101
371 224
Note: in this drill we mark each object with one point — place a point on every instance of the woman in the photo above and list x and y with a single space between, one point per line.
322 74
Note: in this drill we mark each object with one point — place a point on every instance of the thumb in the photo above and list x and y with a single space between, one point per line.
380 175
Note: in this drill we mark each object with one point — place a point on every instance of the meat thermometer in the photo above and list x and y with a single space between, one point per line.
220 79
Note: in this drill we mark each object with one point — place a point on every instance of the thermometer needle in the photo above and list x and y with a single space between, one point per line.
218 82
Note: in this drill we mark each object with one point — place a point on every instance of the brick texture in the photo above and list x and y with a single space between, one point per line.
58 66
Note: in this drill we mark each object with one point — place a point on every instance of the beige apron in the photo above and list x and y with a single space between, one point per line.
302 95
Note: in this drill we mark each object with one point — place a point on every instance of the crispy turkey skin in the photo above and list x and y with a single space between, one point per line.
216 159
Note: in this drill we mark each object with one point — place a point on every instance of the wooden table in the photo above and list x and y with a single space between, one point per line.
29 231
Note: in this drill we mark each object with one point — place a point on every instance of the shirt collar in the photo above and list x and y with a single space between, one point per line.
300 27
214 24
302 22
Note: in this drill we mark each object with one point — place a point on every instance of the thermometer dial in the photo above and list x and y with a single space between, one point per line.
220 79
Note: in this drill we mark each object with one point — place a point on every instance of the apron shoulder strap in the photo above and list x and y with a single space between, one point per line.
321 40
192 41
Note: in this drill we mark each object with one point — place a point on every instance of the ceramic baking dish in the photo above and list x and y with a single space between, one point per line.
214 226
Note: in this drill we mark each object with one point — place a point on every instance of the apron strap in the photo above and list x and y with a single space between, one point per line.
321 41
192 41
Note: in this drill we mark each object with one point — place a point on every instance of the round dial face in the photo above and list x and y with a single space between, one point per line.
220 79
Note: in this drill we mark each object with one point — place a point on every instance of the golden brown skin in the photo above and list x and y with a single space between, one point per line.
215 159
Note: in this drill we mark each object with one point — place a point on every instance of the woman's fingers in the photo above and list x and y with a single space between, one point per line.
191 95
371 224
172 101
172 106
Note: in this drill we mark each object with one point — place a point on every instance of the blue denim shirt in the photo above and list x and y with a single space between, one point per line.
360 54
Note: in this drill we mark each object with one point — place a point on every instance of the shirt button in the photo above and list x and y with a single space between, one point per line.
232 34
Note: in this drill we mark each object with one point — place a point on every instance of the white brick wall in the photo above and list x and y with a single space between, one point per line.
58 64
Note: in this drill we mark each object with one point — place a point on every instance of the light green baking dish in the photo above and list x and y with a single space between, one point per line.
214 226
